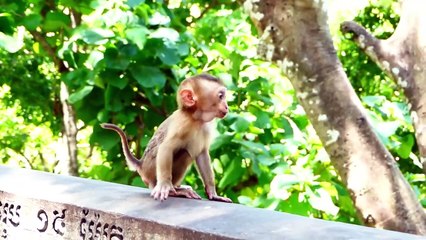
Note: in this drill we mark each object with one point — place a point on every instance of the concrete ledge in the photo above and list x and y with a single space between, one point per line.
38 205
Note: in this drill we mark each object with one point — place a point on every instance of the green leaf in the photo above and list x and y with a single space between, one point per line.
277 149
134 3
296 204
280 185
55 21
137 181
299 123
7 23
221 49
345 201
115 78
137 35
169 56
128 50
232 173
265 160
96 36
262 119
284 123
10 44
221 140
69 58
103 116
148 77
119 82
183 48
115 59
406 146
154 96
100 172
126 117
80 94
244 200
236 60
322 201
284 181
241 125
107 139
254 86
152 119
291 147
159 19
423 202
266 137
386 129
247 154
112 99
94 58
167 34
255 147
372 101
32 21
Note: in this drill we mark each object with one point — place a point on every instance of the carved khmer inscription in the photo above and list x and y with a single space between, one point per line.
58 222
42 216
9 213
91 228
3 234
9 217
47 220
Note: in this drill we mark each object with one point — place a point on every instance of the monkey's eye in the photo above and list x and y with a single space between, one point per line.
221 95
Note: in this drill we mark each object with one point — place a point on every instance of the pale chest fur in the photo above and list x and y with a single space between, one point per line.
198 140
190 135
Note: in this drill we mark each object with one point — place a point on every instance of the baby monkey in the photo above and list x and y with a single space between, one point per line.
182 137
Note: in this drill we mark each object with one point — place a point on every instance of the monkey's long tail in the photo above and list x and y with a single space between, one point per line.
132 162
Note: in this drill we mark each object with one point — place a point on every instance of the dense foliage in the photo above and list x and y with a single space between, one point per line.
123 61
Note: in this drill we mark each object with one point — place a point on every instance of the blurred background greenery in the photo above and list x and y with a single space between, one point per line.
122 62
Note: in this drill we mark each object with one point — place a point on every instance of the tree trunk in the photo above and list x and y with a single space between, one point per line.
69 134
295 34
403 58
68 165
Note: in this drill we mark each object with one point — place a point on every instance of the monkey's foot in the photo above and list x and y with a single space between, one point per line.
220 199
184 192
212 195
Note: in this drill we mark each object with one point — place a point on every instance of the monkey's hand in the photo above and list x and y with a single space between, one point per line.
212 195
162 189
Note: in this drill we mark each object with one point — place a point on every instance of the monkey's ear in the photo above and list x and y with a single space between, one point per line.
187 97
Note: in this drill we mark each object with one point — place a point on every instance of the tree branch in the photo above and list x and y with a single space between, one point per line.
27 160
382 52
46 46
360 34
210 6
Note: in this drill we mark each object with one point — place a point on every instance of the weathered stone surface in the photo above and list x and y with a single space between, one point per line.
38 205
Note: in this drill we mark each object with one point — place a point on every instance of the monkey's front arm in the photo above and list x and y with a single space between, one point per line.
204 167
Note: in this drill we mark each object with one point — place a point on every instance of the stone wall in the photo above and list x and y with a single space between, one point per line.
38 205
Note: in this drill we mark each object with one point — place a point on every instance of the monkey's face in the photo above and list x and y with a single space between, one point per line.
222 105
204 99
213 104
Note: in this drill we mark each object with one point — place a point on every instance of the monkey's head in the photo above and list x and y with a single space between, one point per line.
203 96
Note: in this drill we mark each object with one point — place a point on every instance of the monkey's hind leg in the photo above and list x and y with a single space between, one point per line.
181 161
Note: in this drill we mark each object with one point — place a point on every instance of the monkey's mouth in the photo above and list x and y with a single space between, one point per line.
222 114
